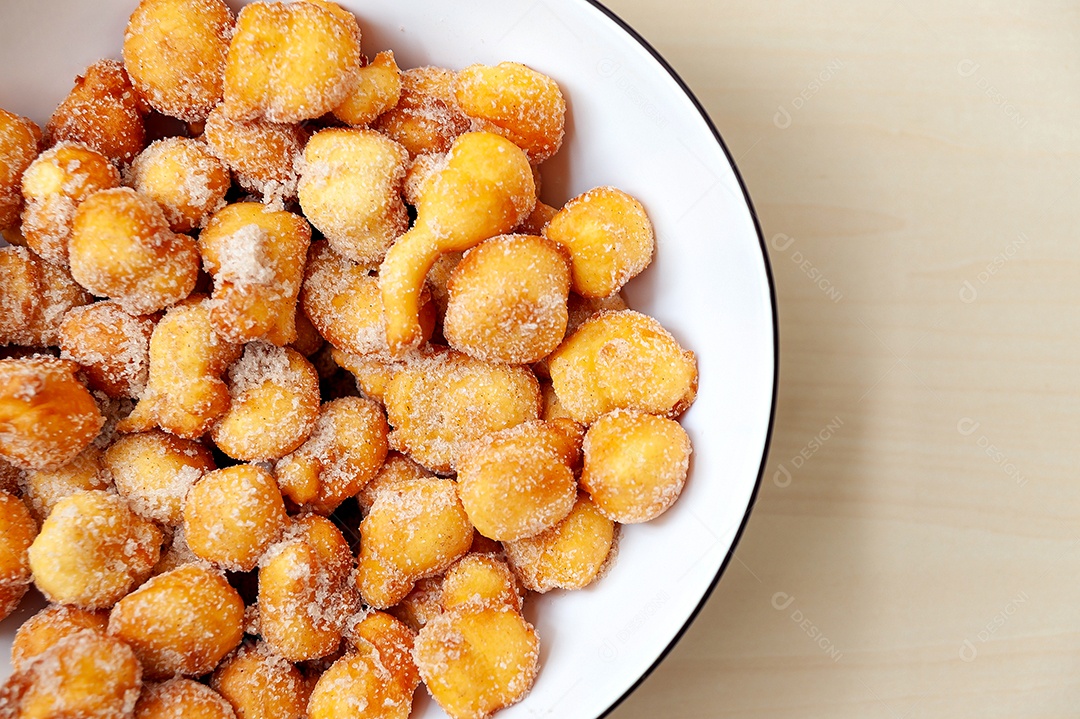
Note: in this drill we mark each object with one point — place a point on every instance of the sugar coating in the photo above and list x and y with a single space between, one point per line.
19 140
17 531
184 177
154 471
102 112
34 296
427 117
48 627
259 684
263 156
43 488
111 345
182 699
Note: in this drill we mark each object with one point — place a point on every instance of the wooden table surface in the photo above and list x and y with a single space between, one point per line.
915 547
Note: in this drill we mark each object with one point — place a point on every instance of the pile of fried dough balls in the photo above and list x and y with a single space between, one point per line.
302 389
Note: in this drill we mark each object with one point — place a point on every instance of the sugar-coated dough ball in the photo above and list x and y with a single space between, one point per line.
48 627
479 579
19 141
623 360
291 62
609 236
174 51
259 684
35 297
233 515
111 345
263 155
154 471
393 641
92 550
103 112
359 685
377 91
182 622
426 117
43 488
396 469
17 532
182 699
46 415
507 299
184 177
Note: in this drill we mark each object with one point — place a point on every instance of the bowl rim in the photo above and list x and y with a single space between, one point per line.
637 37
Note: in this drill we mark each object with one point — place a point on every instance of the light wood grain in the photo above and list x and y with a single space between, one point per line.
930 173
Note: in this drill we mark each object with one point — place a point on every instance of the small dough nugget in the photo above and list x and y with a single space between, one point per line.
396 469
20 139
426 117
17 532
262 155
154 471
182 622
182 699
359 685
393 641
47 628
378 90
34 297
609 236
184 178
259 684
479 579
103 111
291 62
43 488
46 415
92 550
623 360
174 51
111 345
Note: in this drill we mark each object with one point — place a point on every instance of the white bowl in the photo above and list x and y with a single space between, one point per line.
632 124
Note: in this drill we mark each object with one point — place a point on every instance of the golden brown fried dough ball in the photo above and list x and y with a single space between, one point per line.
185 393
494 176
578 310
415 529
154 471
516 101
17 532
343 454
394 641
182 699
262 155
427 117
623 360
182 622
304 597
259 684
87 674
184 178
350 189
396 469
103 112
20 139
53 186
378 90
256 257
92 550
233 515
43 488
34 297
421 604
291 62
570 555
477 660
359 685
479 579
439 403
174 51
121 247
111 346
516 482
507 299
46 415
275 403
635 464
48 627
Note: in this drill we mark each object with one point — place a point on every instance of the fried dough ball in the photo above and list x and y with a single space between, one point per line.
516 101
415 529
393 640
87 674
479 579
43 488
360 685
103 112
34 297
46 415
635 464
53 186
346 450
494 176
256 257
623 360
47 628
174 51
578 310
477 660
181 622
20 139
182 699
537 220
516 482
258 684
609 236
154 471
184 178
426 117
261 154
396 469
291 62
373 372
438 404
570 555
303 592
111 346
92 550
507 299
121 247
421 604
379 90
184 394
350 189
233 515
17 532
275 403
